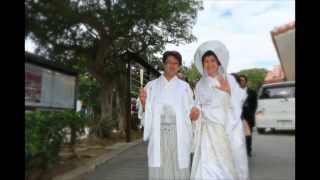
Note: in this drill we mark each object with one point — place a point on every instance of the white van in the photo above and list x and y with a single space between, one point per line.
276 107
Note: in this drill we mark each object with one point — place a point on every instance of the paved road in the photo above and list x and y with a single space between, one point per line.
273 159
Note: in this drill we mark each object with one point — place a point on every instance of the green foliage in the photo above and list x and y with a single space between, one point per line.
92 36
86 33
156 62
45 132
255 77
89 90
192 74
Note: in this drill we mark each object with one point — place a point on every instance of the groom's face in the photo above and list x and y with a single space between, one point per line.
171 66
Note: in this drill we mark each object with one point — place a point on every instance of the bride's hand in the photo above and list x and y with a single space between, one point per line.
224 84
194 114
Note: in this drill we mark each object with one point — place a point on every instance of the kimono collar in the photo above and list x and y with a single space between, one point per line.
165 81
212 81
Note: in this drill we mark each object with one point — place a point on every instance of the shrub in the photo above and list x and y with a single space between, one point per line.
45 133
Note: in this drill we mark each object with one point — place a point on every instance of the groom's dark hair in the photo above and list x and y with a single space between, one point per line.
210 53
175 54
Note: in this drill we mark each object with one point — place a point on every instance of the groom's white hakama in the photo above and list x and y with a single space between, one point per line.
168 128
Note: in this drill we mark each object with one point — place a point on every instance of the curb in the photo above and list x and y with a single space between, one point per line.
116 149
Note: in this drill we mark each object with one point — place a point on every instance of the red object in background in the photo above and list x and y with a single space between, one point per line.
284 28
275 75
33 86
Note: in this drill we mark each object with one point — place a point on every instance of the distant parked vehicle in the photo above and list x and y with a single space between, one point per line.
276 107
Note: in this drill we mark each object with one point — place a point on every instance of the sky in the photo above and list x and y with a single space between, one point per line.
244 26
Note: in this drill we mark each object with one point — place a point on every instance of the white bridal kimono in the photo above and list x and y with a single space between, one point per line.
178 97
220 148
220 152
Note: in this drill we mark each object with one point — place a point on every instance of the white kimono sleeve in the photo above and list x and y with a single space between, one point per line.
236 96
147 115
189 101
188 104
237 137
196 125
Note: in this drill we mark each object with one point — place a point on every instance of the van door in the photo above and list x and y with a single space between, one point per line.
278 105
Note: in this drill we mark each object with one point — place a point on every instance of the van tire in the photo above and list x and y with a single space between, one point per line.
261 130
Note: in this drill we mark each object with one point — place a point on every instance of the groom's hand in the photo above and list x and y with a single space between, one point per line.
194 114
142 96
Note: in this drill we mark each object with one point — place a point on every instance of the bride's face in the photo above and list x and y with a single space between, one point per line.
210 65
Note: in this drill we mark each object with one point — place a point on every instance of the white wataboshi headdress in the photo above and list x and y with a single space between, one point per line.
218 48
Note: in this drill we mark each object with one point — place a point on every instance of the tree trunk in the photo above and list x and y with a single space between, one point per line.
105 123
121 118
108 81
123 111
73 138
122 87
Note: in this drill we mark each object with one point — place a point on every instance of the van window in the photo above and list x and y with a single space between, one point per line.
277 92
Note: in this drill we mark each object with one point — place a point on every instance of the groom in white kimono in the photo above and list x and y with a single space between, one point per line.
167 113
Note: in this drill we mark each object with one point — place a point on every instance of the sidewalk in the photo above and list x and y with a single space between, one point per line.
132 164
87 167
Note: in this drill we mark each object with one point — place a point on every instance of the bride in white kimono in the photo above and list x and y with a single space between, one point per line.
219 142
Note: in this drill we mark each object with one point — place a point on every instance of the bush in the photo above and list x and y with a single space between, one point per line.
45 133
